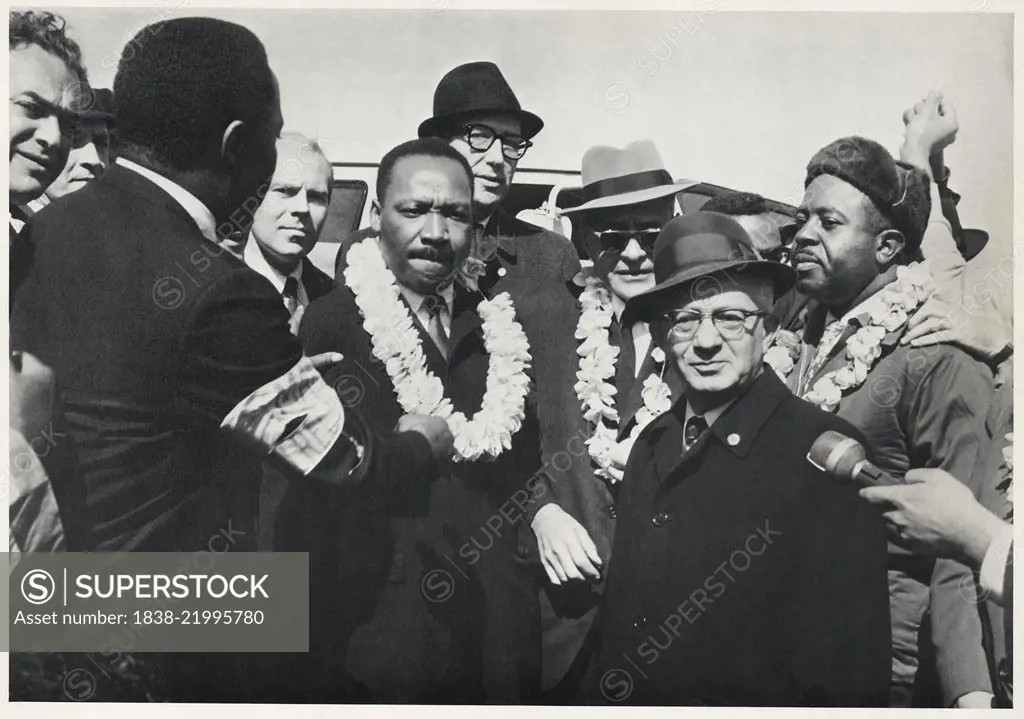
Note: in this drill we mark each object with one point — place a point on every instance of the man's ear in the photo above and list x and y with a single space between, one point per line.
889 245
375 215
233 142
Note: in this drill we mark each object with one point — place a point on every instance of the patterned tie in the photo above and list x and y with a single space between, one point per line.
828 341
695 427
435 327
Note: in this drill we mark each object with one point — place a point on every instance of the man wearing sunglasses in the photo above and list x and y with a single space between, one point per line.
741 574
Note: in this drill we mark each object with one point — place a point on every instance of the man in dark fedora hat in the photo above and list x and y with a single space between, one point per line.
741 574
476 111
628 197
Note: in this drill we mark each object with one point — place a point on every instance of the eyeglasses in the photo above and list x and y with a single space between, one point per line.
481 137
782 253
730 323
616 240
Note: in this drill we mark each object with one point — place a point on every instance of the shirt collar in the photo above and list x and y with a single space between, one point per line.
863 307
737 425
711 416
415 299
199 212
254 257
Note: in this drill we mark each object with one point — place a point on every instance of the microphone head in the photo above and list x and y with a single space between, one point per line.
837 454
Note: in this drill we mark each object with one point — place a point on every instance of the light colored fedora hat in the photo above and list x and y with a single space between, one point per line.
634 174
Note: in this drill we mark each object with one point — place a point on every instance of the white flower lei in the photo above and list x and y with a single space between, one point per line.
396 343
595 388
899 300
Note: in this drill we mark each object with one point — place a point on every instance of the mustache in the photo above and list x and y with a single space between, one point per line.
432 254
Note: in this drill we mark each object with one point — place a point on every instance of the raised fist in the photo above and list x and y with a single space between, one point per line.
931 124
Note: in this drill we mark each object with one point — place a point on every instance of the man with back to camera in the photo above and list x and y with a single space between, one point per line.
159 330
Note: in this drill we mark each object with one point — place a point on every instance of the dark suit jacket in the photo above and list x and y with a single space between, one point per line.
423 590
742 575
921 408
991 476
316 282
155 334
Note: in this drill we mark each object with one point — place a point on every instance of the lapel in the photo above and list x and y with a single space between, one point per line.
466 320
497 247
736 430
813 332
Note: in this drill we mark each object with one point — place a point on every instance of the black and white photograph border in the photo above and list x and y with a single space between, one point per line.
737 95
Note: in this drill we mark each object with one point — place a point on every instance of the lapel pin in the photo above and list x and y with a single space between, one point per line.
501 272
733 439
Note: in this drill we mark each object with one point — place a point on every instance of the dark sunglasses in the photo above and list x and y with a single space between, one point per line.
616 240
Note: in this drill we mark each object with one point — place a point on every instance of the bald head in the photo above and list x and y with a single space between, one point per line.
288 222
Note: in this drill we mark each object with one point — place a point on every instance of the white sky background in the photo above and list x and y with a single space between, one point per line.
736 98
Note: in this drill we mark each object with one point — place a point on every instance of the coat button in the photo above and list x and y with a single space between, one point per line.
613 513
640 622
659 519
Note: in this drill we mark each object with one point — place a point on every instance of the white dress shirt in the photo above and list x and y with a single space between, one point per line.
255 259
193 206
993 567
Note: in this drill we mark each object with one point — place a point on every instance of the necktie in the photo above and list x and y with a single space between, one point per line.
435 326
828 341
694 428
291 294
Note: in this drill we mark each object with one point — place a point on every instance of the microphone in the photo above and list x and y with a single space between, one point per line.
844 458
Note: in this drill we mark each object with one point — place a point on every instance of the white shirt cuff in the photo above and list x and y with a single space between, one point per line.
993 567
298 417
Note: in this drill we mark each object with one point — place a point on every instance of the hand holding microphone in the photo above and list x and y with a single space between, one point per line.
931 511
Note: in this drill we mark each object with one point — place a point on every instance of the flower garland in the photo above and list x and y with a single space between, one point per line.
595 388
396 343
896 302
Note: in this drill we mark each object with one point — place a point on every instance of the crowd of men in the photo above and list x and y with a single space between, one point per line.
519 479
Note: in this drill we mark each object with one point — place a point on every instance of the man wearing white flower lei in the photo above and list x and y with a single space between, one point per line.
863 219
421 577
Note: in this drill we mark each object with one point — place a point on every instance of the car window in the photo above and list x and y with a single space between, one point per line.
346 209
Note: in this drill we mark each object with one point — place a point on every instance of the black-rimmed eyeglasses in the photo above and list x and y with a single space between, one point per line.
481 137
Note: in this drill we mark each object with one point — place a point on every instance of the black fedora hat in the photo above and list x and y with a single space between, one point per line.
473 88
700 244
